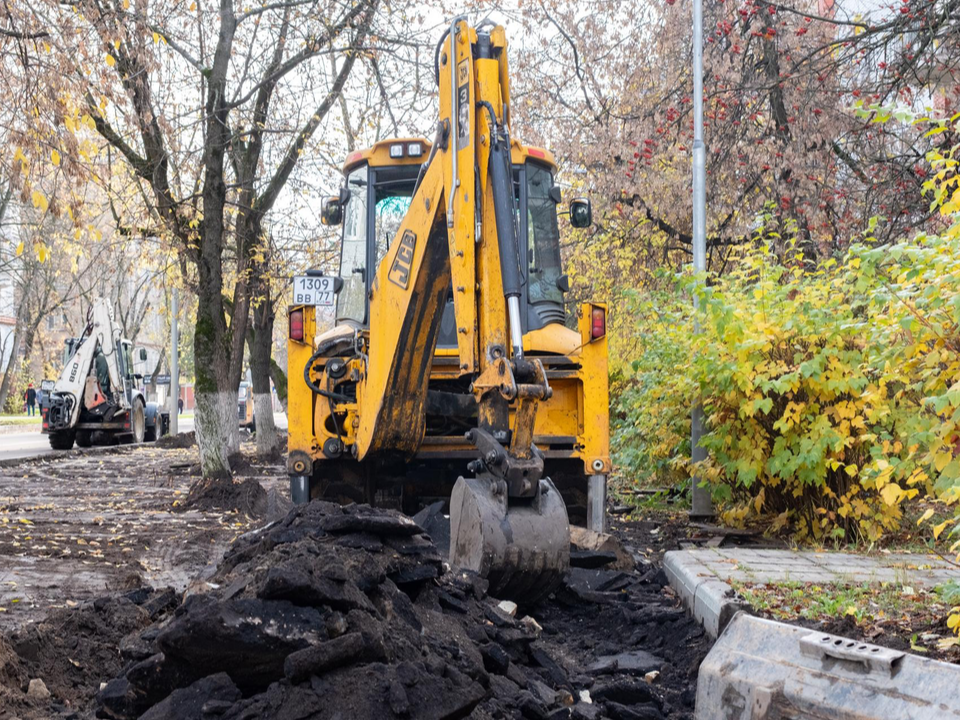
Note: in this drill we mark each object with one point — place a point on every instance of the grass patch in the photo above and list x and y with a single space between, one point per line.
20 419
867 601
914 613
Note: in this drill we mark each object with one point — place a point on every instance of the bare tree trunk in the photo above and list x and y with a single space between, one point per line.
216 406
13 365
279 378
218 432
260 342
24 333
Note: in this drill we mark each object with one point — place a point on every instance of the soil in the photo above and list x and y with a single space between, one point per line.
180 440
75 528
266 611
226 494
272 611
355 604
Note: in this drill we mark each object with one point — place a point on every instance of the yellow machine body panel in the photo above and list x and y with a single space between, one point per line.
379 392
573 424
403 331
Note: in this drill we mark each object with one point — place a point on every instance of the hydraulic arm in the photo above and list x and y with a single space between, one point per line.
460 233
100 341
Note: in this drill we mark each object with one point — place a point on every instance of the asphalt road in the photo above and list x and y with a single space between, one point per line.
33 443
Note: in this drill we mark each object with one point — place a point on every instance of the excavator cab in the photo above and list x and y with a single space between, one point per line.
456 369
375 199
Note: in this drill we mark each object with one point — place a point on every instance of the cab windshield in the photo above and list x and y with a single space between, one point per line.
390 190
379 198
392 193
543 238
352 300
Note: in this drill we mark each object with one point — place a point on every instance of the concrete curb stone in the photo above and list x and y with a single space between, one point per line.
712 602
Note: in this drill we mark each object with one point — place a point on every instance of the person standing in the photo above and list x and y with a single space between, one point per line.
180 406
31 397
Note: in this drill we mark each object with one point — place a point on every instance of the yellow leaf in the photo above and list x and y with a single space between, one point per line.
55 157
20 249
156 38
926 516
126 4
111 61
891 493
942 460
854 262
851 470
42 253
193 6
940 528
852 610
39 201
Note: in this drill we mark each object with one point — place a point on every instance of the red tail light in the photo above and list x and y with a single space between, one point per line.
598 323
296 325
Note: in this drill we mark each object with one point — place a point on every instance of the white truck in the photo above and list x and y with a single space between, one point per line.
98 399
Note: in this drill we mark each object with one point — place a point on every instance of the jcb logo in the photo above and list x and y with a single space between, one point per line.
400 270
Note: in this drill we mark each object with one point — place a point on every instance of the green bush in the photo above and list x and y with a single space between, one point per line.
830 391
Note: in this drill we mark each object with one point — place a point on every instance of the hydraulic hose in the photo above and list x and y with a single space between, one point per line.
318 390
436 56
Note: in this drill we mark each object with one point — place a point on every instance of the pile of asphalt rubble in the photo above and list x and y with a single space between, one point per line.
348 612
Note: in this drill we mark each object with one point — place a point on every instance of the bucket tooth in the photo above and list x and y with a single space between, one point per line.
521 546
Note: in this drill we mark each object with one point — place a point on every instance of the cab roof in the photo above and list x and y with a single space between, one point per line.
378 155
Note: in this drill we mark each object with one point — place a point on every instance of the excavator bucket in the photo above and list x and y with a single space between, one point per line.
522 547
765 670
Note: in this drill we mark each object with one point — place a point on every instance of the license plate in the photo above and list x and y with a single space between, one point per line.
309 290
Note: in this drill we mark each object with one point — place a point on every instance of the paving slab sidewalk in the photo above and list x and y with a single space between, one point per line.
701 577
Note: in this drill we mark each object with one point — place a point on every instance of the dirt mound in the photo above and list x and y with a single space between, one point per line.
227 495
13 682
74 650
12 673
181 440
346 612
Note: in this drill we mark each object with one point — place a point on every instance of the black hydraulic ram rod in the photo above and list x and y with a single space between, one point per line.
505 212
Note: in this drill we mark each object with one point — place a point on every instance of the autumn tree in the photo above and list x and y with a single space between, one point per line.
793 93
211 108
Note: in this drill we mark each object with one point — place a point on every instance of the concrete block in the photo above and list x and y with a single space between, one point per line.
715 605
685 574
711 601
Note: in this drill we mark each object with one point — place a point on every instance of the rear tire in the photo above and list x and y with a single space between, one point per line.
84 438
138 422
62 440
158 429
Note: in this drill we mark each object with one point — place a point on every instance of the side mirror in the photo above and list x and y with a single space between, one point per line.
581 213
563 283
555 194
331 212
337 281
143 354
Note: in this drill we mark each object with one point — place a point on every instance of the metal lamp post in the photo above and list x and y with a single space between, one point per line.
701 502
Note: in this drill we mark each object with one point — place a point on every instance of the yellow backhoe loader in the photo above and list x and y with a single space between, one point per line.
450 371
